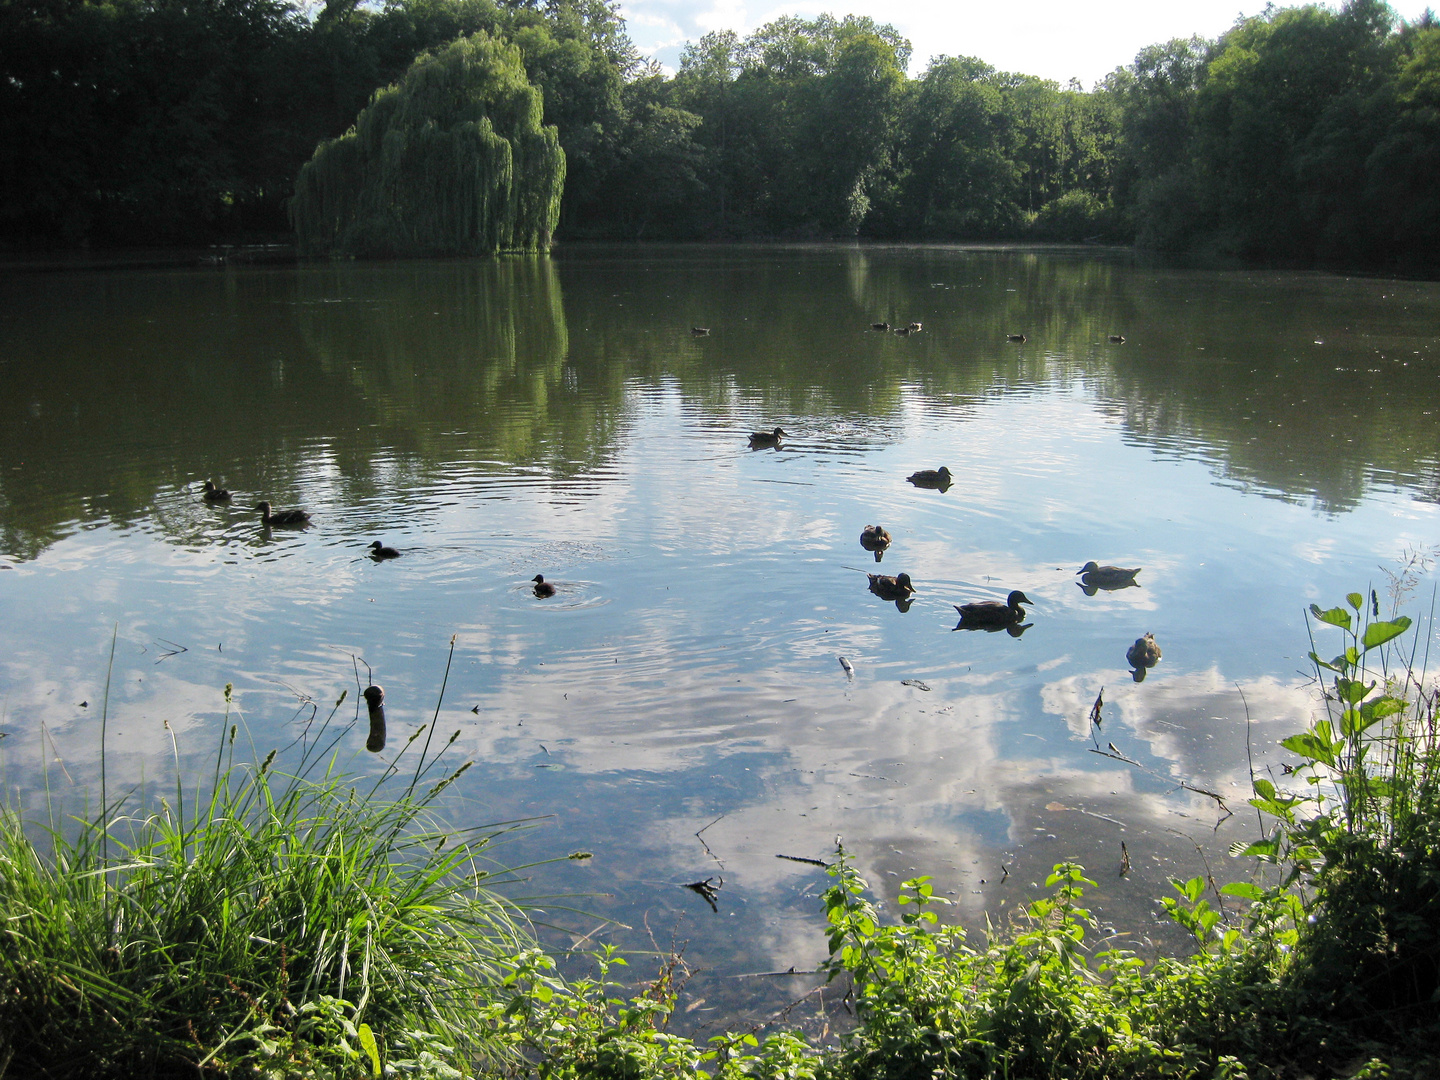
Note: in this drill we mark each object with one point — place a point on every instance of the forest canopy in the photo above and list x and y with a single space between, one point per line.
1304 133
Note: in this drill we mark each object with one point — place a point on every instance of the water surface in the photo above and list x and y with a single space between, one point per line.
1258 441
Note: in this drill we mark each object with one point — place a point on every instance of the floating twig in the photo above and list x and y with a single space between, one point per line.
808 862
708 891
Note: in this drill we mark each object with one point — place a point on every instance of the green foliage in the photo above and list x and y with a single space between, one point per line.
287 924
452 160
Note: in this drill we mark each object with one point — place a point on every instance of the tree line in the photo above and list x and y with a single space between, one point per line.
1302 133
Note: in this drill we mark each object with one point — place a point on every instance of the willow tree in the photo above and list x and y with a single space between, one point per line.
451 160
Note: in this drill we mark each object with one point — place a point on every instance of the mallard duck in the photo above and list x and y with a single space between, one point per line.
932 478
380 551
215 494
879 326
1108 577
767 438
994 613
284 517
1144 653
1117 339
543 588
891 588
1019 339
874 538
700 331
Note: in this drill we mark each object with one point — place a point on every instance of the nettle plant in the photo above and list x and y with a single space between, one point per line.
1361 838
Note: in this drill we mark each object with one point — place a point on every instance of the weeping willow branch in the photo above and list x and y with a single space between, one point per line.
453 160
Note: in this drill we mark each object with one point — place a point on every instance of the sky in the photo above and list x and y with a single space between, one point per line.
1054 39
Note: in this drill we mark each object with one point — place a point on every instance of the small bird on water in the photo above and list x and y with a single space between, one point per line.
1019 339
766 438
1108 577
994 613
380 551
700 331
891 588
543 588
938 479
214 494
879 326
874 538
1143 655
283 517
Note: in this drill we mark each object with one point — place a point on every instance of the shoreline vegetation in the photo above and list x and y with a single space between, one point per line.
1301 136
308 924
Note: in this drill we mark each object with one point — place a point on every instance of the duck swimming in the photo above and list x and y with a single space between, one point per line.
215 494
939 479
1117 339
543 588
1019 339
767 438
1095 576
879 326
891 588
1145 653
874 538
284 517
985 613
700 331
380 551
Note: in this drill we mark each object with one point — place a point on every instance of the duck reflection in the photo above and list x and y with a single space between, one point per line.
375 702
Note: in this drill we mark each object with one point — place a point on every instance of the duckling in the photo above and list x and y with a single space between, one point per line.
874 538
766 438
1095 576
700 331
1117 339
380 551
879 326
284 517
1019 339
1145 653
939 479
891 588
543 588
993 613
215 494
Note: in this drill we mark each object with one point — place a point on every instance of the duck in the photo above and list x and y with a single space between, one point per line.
214 494
284 517
1117 339
874 538
1019 339
914 328
891 588
543 588
767 438
902 330
879 326
1145 653
700 331
993 613
1094 575
380 551
940 478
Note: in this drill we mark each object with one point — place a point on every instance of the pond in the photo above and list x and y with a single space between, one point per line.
680 708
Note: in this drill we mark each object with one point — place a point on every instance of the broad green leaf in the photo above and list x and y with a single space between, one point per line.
1336 616
1308 746
1264 788
1355 600
1260 849
1243 889
1315 659
1351 690
1377 633
372 1051
1380 708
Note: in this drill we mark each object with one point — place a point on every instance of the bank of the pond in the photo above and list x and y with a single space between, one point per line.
299 925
